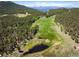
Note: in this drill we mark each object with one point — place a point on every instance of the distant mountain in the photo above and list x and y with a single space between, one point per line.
8 7
46 8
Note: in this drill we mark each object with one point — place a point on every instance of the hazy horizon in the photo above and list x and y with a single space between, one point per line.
49 3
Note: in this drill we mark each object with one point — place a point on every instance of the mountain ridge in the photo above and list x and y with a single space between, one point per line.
9 7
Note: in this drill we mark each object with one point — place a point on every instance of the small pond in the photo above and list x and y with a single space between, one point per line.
36 48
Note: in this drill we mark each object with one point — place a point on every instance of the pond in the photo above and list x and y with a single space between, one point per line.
36 48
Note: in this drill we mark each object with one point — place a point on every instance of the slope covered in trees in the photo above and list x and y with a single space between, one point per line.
8 7
15 30
69 18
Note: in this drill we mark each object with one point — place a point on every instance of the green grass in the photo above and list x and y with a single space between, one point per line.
47 32
47 28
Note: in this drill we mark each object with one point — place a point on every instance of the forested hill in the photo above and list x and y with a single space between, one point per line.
9 7
69 18
73 11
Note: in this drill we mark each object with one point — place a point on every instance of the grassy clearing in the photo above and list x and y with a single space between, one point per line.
47 29
60 43
47 32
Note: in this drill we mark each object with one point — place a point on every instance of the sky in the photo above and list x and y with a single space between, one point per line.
49 3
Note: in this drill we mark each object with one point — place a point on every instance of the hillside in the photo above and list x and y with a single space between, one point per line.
9 7
15 30
60 43
26 31
50 40
69 18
